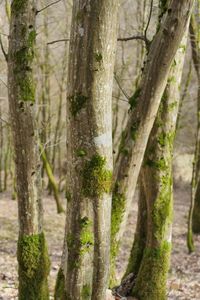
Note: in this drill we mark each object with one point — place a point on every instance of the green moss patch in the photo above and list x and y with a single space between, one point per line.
60 293
86 292
133 100
96 178
34 267
77 102
152 277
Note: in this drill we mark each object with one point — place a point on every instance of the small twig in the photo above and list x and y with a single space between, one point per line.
4 83
3 50
120 87
134 37
51 4
58 41
149 19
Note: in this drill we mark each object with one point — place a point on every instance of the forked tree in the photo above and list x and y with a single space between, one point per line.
144 107
150 255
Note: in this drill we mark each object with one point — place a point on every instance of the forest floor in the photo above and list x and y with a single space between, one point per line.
184 275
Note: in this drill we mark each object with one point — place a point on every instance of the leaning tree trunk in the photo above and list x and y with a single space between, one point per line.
85 262
32 251
152 269
194 214
145 105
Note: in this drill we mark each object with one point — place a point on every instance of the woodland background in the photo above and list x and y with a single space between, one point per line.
50 73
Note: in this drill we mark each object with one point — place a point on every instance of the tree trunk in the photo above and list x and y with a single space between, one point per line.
151 274
32 251
145 105
85 262
194 214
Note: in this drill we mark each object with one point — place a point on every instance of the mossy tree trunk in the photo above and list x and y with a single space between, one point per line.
153 260
32 251
144 104
194 214
85 261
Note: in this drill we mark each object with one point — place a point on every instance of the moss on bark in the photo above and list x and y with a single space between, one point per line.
34 267
96 178
151 281
60 286
86 292
52 180
196 211
77 102
118 208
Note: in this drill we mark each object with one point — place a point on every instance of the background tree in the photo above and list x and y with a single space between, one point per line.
194 214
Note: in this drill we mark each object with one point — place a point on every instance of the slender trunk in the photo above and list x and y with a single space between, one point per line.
7 159
156 172
194 213
52 181
85 262
32 251
1 152
145 105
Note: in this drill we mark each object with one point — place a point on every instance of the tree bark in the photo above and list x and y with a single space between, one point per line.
194 214
85 262
145 105
32 251
151 274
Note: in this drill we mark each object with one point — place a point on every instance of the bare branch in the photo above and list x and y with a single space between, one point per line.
134 37
3 50
4 83
120 87
49 5
148 22
58 41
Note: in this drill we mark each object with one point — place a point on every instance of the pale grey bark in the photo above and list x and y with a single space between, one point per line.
21 104
33 262
162 51
150 255
194 213
85 261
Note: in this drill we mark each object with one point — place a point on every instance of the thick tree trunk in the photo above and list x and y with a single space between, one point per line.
32 251
151 274
145 105
85 262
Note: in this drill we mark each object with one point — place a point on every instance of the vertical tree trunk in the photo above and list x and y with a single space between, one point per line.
145 105
85 263
194 214
156 172
32 251
1 152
